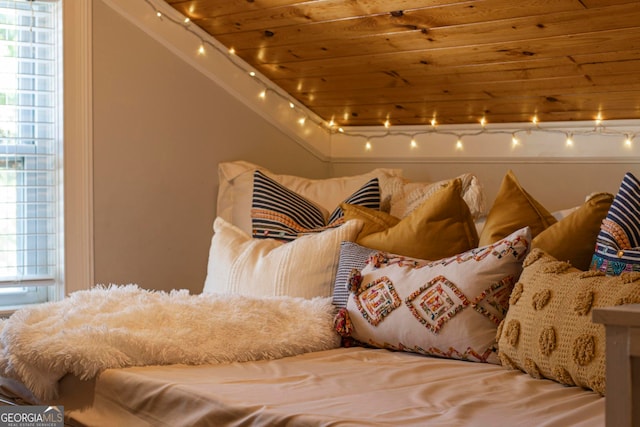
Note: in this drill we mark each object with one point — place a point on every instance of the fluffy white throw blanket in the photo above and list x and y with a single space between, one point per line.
121 326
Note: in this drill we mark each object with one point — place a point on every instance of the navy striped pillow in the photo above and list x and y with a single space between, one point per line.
618 243
280 213
352 256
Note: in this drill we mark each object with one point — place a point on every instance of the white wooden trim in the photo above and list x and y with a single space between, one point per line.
78 142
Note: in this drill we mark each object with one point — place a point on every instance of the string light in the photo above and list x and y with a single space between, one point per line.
330 126
569 140
367 146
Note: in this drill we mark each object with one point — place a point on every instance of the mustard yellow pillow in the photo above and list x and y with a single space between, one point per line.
513 209
548 331
574 237
374 220
440 227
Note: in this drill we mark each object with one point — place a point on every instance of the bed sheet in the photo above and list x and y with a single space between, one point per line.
341 387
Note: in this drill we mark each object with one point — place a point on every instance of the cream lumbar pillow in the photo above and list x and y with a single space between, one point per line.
306 267
448 308
440 227
548 331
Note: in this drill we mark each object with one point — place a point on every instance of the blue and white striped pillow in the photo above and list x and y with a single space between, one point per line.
352 256
618 244
280 213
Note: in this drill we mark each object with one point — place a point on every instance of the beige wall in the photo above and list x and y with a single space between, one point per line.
160 129
555 185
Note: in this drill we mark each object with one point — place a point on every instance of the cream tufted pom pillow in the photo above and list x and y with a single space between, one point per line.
548 331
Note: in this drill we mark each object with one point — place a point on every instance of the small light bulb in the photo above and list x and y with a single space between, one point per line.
201 50
292 105
387 124
367 146
483 122
301 120
534 120
340 130
263 94
569 140
598 119
627 141
434 122
159 14
187 20
232 51
413 144
514 140
331 123
252 73
459 144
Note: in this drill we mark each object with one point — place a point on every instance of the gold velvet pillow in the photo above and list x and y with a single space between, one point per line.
440 227
548 331
574 237
374 220
513 209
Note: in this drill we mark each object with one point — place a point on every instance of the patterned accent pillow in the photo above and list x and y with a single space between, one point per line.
548 331
280 213
352 256
618 242
448 308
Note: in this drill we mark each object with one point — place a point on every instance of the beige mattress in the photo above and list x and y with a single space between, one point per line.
342 387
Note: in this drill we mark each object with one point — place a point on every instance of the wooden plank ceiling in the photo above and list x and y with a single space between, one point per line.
361 62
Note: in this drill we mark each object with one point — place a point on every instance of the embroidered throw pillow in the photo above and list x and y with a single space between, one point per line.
305 268
513 209
442 226
618 244
548 331
573 237
279 213
448 308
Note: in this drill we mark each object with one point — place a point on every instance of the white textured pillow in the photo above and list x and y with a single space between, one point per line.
305 267
448 308
408 195
235 190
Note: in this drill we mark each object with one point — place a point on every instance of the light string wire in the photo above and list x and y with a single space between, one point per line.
305 116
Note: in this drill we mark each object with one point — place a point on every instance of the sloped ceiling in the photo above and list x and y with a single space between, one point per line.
410 61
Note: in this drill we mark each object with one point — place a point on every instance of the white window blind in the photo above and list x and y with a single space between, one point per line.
30 151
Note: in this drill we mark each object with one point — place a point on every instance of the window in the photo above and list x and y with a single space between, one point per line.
30 152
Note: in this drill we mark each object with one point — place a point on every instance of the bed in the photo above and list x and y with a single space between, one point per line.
406 304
